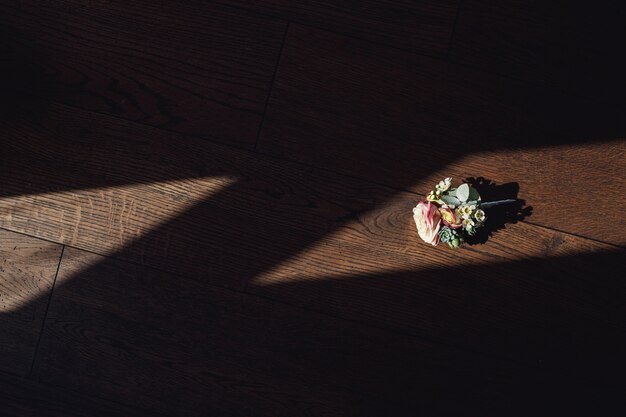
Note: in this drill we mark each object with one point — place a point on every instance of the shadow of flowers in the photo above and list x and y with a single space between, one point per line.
498 216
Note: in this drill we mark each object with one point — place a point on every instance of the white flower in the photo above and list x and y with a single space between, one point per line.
466 211
480 216
468 224
444 185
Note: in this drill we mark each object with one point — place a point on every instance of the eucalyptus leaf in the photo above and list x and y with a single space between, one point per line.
450 200
473 194
463 192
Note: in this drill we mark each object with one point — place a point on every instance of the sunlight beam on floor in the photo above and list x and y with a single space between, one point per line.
115 216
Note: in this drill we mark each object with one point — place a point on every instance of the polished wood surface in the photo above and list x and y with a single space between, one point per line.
277 229
25 397
195 349
206 210
567 46
199 69
425 26
441 120
28 268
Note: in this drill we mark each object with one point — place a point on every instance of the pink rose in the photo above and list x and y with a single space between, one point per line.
450 218
428 221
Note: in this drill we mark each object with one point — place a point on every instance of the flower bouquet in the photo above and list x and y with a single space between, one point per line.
449 215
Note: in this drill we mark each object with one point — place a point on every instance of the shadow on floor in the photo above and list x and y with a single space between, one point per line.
505 336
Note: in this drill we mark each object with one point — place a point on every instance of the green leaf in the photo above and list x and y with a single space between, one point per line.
473 194
463 192
449 200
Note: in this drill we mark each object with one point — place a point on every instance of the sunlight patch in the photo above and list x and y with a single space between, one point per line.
113 217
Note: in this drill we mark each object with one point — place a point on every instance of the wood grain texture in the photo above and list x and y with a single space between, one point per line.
408 121
237 283
165 343
424 26
21 397
198 69
570 46
27 269
302 236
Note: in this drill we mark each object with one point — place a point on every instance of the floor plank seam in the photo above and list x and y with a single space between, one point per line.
278 18
614 245
259 296
456 19
394 331
209 274
45 316
443 57
298 163
322 313
271 89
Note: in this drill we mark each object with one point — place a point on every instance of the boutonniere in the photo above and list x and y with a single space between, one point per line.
451 215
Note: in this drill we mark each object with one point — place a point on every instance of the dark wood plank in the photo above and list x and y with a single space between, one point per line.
423 25
165 343
27 269
21 397
305 237
567 45
197 69
408 121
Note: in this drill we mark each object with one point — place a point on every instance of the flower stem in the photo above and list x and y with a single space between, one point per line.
490 204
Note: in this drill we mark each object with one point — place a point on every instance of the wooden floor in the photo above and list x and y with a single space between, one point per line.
205 210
